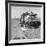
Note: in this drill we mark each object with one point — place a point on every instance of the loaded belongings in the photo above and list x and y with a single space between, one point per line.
29 20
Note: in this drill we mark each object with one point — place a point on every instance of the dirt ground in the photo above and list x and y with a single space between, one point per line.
16 31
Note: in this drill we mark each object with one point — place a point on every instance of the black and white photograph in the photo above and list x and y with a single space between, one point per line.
25 23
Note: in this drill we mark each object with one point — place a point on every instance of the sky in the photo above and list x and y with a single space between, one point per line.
16 11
